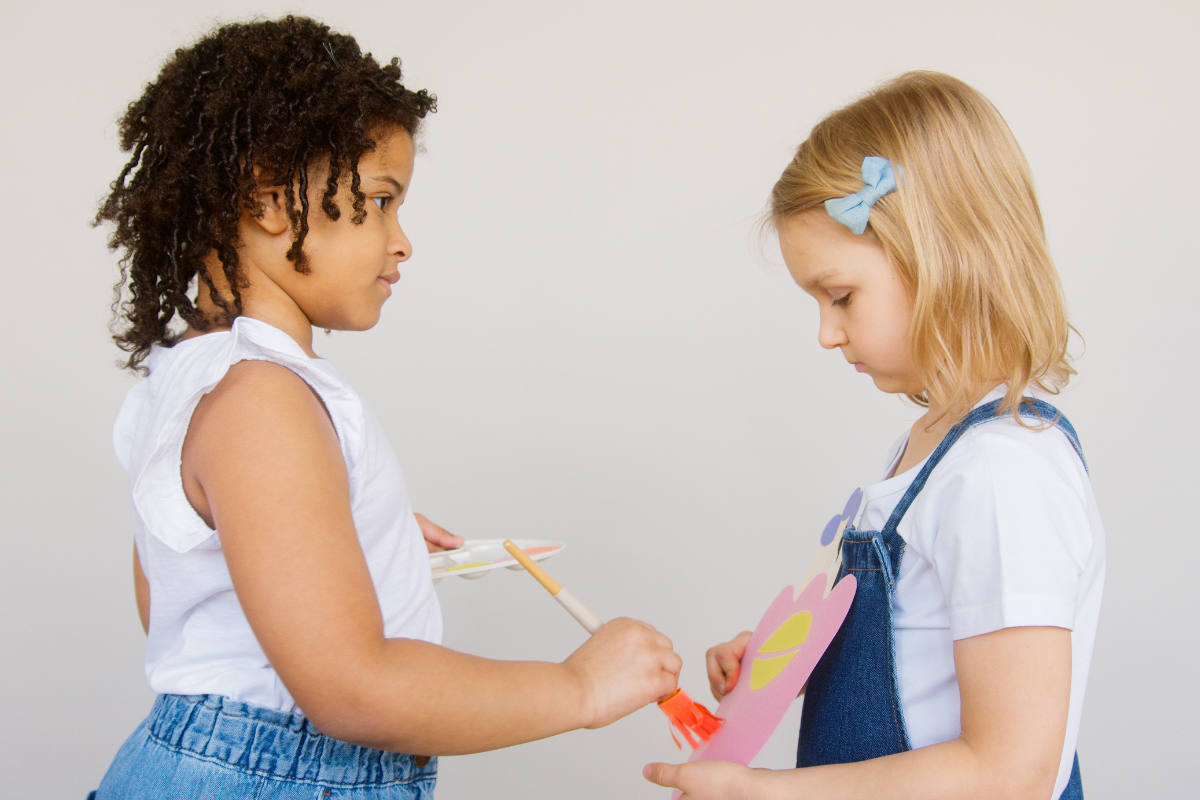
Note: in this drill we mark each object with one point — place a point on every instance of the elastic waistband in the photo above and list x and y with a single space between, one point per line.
267 741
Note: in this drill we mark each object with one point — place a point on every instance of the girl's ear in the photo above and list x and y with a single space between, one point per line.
274 216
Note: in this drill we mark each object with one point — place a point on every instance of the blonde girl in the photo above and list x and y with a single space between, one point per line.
293 631
910 217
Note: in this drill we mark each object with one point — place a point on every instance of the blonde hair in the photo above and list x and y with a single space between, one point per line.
963 230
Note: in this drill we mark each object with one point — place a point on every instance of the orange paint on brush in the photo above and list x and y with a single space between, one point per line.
689 717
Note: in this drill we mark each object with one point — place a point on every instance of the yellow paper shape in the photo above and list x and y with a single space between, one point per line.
791 633
765 669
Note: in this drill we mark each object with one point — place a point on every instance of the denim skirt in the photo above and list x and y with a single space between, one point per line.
206 747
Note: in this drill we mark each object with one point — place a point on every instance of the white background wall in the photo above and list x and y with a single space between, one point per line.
590 345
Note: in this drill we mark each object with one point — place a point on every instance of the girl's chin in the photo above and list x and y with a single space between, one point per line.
894 386
362 321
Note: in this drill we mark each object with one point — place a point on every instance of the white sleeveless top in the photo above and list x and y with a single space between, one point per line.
199 640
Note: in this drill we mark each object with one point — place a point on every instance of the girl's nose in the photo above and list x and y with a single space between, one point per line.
399 245
831 334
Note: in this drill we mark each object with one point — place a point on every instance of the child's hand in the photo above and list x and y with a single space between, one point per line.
625 665
436 537
724 662
707 780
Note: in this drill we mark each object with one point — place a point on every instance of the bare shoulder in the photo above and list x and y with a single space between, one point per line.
259 392
259 412
263 384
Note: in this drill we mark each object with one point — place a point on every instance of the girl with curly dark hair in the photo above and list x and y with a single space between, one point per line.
281 574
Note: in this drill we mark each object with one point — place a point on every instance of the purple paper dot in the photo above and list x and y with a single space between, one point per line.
830 529
852 504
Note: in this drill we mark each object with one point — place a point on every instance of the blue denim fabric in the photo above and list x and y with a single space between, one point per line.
852 707
208 747
852 710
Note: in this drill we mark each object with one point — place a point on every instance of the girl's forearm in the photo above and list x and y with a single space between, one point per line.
947 771
417 697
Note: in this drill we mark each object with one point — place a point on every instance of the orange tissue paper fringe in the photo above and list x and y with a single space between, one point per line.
689 717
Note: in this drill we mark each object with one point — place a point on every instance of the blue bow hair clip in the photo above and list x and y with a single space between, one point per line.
854 211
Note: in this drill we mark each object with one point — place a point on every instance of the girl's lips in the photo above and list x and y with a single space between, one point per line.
386 281
861 367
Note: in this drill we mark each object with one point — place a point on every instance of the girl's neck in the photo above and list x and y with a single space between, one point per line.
261 300
928 431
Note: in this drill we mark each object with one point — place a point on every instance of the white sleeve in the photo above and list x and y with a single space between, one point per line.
1013 536
128 418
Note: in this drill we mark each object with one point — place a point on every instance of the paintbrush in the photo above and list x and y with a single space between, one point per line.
567 600
686 715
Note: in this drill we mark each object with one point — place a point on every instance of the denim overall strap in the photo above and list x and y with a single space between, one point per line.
852 710
1029 407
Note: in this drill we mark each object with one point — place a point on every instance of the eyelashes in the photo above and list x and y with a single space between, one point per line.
844 300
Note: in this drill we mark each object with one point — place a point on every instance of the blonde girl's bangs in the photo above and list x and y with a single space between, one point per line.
964 232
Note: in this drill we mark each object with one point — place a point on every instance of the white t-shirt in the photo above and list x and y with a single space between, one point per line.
1006 533
199 640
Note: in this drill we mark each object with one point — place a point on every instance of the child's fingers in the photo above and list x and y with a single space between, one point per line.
724 664
662 774
732 673
436 537
672 663
707 780
716 675
624 665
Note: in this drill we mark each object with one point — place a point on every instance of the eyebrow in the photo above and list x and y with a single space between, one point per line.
821 277
388 179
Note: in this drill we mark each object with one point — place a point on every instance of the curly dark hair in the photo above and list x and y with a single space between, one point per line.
280 97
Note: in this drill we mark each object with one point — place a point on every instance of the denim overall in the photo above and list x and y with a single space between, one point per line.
852 709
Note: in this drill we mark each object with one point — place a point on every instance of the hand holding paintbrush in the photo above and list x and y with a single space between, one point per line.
686 716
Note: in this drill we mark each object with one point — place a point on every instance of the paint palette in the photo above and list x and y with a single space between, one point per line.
478 557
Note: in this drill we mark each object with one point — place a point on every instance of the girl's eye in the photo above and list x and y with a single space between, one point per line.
382 202
844 300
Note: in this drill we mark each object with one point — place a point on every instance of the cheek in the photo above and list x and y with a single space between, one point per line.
880 329
898 323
